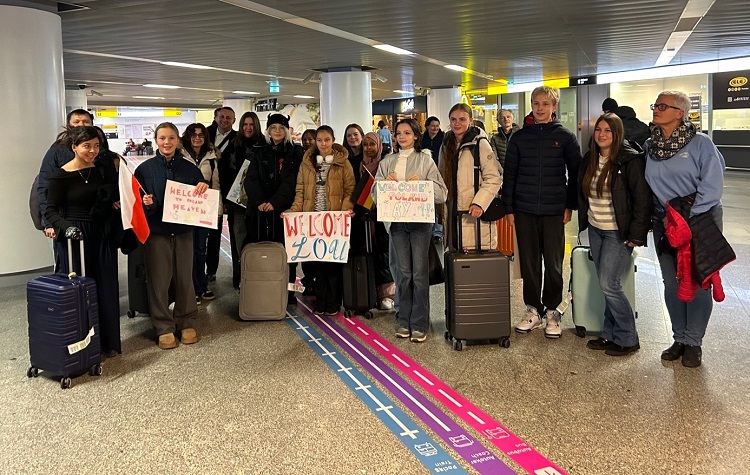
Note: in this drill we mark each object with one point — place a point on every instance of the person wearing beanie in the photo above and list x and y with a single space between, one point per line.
609 105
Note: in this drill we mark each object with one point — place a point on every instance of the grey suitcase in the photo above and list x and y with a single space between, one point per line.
477 297
264 282
588 300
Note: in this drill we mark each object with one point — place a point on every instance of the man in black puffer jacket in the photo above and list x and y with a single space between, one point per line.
635 130
539 200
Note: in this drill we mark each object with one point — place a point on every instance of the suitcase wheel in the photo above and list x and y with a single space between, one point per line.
32 372
369 315
96 370
580 331
457 345
131 313
447 335
348 313
65 383
505 342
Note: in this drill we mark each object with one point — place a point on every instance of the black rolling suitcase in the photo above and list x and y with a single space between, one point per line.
477 296
63 317
360 292
137 282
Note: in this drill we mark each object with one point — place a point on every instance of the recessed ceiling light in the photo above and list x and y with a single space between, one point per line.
399 91
147 97
162 86
185 65
455 67
300 96
392 49
245 92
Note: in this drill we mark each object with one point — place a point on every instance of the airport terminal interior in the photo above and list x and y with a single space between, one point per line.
334 395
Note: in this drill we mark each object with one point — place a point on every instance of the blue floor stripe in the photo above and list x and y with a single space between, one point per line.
424 447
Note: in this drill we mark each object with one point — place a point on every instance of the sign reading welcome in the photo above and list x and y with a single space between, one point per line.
405 201
182 206
317 236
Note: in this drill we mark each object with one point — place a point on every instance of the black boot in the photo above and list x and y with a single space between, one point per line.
673 352
692 356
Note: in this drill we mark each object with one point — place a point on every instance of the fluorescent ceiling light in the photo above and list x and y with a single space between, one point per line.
691 15
245 92
162 86
455 67
665 58
399 91
147 97
185 65
300 96
392 49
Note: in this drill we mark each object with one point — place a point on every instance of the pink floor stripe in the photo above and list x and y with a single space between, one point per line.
512 445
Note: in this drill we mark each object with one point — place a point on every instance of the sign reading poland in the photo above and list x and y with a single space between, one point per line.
182 206
317 236
405 201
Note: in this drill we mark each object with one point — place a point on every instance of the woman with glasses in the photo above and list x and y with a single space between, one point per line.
199 148
682 162
614 203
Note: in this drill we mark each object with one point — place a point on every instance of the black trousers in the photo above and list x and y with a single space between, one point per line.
214 248
329 285
541 238
237 234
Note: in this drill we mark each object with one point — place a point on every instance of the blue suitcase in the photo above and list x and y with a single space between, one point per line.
63 318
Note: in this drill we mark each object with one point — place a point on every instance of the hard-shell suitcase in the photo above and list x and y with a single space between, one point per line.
588 300
477 296
63 316
265 278
137 282
505 237
360 291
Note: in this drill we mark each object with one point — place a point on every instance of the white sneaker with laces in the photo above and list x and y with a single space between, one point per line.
530 320
553 329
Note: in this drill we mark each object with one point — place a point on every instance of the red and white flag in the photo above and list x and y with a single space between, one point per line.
131 205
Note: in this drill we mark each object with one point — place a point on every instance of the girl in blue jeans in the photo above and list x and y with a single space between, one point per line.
614 203
411 241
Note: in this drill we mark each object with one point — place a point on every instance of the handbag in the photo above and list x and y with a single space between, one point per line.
436 275
496 209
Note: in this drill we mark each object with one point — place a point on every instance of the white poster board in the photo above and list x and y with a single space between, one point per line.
405 201
182 206
234 193
317 236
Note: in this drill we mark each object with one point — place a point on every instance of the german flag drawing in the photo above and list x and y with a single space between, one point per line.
361 194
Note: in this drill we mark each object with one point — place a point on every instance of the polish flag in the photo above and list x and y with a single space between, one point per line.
131 205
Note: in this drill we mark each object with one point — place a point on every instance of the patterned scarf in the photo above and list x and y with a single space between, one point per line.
665 148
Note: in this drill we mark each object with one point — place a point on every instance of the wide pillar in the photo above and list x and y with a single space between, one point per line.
239 105
76 99
345 98
440 101
33 86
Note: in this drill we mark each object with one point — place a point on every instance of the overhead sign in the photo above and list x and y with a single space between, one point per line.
266 105
106 112
582 81
172 112
732 90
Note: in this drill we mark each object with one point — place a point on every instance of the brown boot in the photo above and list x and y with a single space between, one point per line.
188 336
167 341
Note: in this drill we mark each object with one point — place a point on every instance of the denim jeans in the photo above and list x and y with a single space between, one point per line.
689 319
612 259
393 265
412 241
200 249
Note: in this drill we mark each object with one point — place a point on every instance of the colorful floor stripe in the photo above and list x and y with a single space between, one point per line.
515 448
463 442
424 447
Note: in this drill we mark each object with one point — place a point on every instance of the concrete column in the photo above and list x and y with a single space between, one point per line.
440 101
345 98
33 86
240 105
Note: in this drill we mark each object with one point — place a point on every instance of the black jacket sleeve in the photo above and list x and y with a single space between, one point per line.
572 162
252 184
641 199
56 156
55 193
510 174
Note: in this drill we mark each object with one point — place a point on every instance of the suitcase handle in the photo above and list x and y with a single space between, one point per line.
273 228
72 273
477 231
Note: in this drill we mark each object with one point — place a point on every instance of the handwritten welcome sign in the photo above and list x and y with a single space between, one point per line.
405 201
318 236
181 206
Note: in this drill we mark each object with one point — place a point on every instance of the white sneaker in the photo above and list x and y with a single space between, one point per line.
386 304
530 320
553 330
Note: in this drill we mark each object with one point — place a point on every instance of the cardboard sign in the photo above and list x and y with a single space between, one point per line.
318 236
182 206
405 201
234 193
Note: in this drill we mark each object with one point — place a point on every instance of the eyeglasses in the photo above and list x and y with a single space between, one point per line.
198 136
662 107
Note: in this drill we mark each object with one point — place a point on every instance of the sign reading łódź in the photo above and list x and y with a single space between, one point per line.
732 90
182 206
317 236
405 201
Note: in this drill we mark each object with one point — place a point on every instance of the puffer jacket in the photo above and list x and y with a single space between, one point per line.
499 143
536 162
634 129
490 177
339 183
631 195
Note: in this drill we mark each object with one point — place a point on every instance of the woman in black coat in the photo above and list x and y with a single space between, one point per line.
270 186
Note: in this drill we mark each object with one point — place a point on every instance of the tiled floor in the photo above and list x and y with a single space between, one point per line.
252 397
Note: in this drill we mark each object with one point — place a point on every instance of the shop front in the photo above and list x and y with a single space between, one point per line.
391 111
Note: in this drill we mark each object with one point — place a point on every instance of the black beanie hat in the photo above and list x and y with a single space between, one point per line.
277 119
609 104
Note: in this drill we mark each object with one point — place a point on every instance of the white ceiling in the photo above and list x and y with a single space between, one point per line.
116 46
